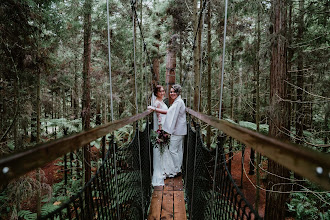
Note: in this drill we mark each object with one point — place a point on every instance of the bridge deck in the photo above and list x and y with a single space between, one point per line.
168 201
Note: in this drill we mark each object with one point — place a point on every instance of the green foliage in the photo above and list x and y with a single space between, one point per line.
73 126
11 145
249 125
19 191
96 143
123 135
27 215
48 208
4 208
307 205
263 128
62 193
159 140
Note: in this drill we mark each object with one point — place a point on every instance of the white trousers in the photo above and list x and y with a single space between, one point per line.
176 151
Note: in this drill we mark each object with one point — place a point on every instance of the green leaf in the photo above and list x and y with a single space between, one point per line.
27 215
11 145
48 208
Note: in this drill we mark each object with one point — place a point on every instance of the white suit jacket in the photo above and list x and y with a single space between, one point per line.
175 121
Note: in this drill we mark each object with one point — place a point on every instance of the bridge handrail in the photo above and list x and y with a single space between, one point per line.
308 163
17 164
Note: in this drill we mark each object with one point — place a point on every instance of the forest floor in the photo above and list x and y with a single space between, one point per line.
248 189
51 174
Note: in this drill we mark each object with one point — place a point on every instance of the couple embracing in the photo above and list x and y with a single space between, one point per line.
172 120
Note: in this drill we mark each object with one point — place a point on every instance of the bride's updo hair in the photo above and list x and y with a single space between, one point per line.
157 89
177 88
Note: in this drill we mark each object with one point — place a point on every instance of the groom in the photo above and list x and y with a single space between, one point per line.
175 124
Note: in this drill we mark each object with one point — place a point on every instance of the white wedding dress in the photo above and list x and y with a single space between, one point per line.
162 163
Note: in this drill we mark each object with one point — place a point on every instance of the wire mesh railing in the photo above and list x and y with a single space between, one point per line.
308 163
197 180
98 198
229 202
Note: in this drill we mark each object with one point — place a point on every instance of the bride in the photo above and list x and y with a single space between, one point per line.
162 162
175 124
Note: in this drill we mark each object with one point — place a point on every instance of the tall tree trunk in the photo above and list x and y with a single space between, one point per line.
38 177
232 75
209 75
71 102
196 57
64 103
258 106
121 107
133 97
16 102
199 48
300 84
309 124
232 90
290 57
170 67
300 77
52 115
104 109
221 41
326 126
155 63
241 93
34 119
75 90
142 75
2 110
232 94
276 202
75 4
254 106
155 67
180 58
98 111
86 105
104 120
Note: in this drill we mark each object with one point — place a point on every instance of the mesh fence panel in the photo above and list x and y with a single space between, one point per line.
98 198
197 178
229 202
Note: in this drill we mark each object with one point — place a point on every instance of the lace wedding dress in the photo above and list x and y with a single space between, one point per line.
162 162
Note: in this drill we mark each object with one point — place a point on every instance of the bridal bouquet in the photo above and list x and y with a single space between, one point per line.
160 139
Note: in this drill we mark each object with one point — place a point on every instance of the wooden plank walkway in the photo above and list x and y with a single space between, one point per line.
168 201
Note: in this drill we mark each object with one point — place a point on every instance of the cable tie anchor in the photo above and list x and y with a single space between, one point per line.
5 170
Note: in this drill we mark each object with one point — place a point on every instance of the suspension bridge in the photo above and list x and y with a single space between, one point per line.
121 187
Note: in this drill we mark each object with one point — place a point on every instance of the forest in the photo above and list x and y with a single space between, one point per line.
68 66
